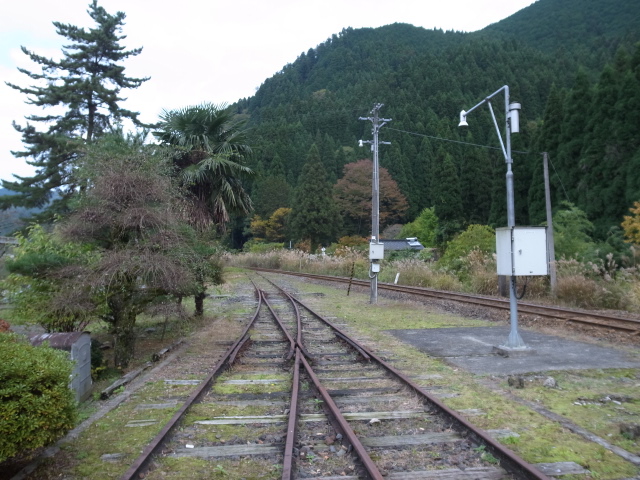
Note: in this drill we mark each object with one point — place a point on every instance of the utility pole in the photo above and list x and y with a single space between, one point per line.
550 242
376 249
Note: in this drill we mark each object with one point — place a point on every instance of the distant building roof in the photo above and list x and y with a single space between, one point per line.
410 243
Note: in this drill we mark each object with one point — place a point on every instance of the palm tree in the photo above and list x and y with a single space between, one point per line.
209 151
209 148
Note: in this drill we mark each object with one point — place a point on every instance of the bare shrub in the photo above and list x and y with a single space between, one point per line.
446 281
537 287
484 282
577 290
481 272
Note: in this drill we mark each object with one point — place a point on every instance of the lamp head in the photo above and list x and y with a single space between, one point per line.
463 119
514 117
359 143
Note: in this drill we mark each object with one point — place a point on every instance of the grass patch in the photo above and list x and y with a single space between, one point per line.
597 400
201 469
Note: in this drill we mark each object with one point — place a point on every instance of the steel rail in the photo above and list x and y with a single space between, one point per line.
299 340
292 426
508 458
138 467
340 333
292 342
347 431
560 313
333 410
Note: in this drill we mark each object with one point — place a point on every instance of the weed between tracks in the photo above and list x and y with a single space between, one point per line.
199 469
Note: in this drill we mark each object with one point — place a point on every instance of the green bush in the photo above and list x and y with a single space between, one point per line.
36 404
253 246
475 237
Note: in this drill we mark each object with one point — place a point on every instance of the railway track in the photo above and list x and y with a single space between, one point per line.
593 319
296 397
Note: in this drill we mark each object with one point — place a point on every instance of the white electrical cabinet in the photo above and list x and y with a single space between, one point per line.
376 251
529 254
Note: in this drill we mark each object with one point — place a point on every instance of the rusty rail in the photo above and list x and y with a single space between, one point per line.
138 467
630 325
292 342
508 458
292 426
350 435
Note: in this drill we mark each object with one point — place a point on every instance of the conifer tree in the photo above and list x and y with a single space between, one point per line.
548 140
602 197
446 195
87 81
315 216
272 191
574 124
475 183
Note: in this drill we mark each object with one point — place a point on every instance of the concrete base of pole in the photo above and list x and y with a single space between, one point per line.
513 352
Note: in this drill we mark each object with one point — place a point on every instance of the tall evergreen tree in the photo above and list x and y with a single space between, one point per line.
548 140
87 81
603 198
315 216
574 125
271 190
447 195
475 184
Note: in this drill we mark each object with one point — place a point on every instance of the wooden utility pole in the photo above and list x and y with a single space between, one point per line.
550 245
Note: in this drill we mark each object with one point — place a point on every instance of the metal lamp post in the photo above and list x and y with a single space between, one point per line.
512 126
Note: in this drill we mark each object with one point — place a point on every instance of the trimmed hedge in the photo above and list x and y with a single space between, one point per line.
36 404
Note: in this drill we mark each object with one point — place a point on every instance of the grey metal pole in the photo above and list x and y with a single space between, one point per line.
514 340
375 189
550 241
375 202
512 124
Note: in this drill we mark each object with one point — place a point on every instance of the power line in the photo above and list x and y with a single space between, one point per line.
453 141
559 179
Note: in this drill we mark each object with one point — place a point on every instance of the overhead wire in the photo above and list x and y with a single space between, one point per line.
453 141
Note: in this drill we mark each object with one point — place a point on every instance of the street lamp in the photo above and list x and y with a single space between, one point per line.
512 114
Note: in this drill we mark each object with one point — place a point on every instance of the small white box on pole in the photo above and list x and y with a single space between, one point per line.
376 251
522 251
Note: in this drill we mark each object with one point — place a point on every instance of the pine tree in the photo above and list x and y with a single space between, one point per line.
87 81
314 215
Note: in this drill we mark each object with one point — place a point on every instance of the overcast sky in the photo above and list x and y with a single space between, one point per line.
198 50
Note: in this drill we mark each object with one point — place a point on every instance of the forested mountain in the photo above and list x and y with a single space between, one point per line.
588 29
580 102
